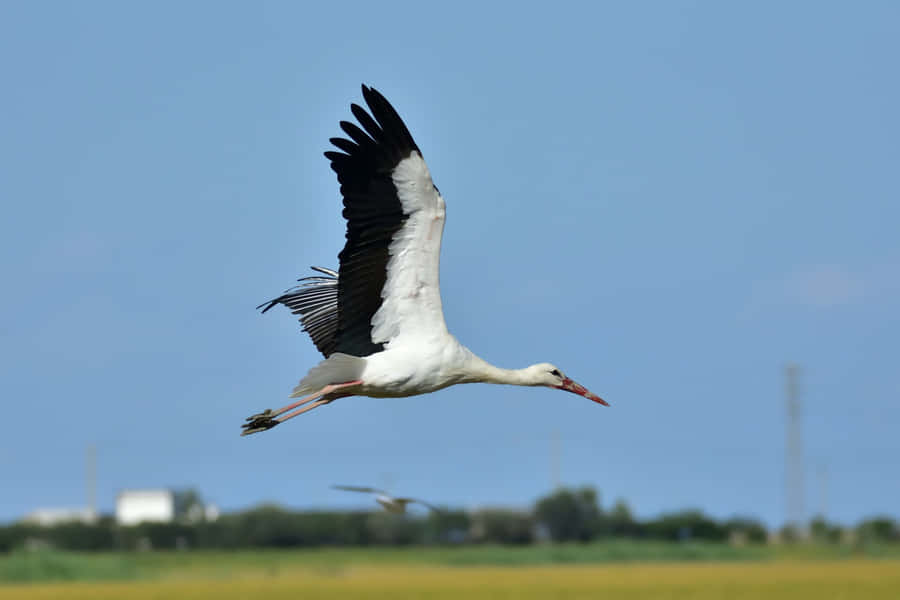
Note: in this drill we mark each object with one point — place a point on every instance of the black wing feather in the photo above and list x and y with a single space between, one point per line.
316 301
373 212
337 309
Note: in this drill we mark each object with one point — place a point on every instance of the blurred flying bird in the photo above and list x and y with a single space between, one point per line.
378 320
390 503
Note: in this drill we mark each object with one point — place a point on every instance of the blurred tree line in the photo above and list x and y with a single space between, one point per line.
565 515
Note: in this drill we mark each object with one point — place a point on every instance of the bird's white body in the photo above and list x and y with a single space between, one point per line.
392 505
418 368
420 355
380 321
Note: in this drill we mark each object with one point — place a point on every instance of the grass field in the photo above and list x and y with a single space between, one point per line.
73 566
45 567
869 579
617 569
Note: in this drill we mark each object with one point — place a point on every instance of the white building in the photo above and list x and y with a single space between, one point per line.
137 506
54 516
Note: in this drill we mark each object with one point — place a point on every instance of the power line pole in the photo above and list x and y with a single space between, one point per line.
794 453
555 460
823 491
91 478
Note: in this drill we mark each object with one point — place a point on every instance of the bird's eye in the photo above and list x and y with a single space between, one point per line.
556 373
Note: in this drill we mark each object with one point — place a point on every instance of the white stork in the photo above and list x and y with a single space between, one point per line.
390 503
379 321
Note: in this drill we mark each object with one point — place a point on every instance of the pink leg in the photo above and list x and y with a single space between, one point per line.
311 397
266 420
300 411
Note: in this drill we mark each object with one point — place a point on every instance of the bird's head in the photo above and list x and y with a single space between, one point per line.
550 376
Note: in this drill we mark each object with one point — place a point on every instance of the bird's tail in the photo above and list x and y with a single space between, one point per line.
337 368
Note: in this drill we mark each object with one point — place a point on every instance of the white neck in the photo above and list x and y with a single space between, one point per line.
481 371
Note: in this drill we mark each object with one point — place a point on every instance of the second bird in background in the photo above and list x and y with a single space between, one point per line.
395 505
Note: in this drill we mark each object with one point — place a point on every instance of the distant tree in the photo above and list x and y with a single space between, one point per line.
502 526
81 536
189 506
878 529
570 515
447 526
392 529
160 536
266 525
686 525
13 536
565 514
353 529
822 531
620 522
753 530
789 534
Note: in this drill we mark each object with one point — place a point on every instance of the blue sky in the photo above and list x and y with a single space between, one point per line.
667 200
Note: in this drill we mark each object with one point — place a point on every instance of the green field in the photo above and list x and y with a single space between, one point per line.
621 569
74 566
820 580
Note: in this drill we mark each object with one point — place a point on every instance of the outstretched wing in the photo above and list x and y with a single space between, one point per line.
389 275
422 502
316 301
356 488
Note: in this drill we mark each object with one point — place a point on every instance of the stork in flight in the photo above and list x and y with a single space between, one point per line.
378 321
391 504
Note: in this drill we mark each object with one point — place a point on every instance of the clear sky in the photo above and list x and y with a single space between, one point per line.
667 200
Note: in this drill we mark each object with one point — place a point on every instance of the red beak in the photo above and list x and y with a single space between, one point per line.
577 388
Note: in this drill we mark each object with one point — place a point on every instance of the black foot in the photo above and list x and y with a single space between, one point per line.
259 422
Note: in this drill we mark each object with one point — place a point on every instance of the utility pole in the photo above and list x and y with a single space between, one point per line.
794 479
555 460
91 479
823 491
